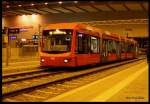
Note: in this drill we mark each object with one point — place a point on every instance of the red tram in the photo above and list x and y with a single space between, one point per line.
72 44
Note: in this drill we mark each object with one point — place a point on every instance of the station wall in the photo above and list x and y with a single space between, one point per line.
136 30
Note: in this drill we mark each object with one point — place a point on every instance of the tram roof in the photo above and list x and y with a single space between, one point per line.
71 26
61 26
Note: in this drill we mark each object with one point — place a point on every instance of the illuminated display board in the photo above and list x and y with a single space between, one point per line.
57 32
14 31
13 37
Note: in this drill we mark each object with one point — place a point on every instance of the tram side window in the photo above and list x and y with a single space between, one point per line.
109 45
117 48
112 46
122 47
87 44
94 45
105 47
133 48
130 48
83 43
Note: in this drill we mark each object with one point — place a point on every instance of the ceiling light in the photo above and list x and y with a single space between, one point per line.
23 39
46 3
92 1
32 4
24 16
60 2
34 16
7 6
75 1
19 5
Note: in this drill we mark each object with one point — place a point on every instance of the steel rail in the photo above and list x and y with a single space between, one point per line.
30 76
68 77
22 73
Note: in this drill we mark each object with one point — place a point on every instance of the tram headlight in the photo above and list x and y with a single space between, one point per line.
66 60
42 60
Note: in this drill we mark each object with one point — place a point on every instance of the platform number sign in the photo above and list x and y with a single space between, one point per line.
14 31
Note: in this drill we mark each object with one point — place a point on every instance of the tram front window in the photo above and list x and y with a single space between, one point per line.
56 41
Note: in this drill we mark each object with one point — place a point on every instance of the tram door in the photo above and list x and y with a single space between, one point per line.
104 50
118 53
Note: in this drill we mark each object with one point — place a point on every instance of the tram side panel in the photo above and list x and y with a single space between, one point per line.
87 49
110 50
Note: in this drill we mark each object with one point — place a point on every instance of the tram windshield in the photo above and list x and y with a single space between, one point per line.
57 41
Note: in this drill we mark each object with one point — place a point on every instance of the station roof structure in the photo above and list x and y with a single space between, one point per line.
64 7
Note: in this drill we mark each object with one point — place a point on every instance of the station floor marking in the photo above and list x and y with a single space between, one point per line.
113 90
110 92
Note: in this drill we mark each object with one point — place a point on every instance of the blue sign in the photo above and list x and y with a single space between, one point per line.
13 37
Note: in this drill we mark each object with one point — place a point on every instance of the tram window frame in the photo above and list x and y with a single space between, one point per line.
123 47
84 46
80 43
117 47
130 48
105 47
112 48
97 45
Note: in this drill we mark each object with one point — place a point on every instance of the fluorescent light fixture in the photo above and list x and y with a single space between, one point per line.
46 3
60 2
23 39
19 5
7 6
75 1
32 4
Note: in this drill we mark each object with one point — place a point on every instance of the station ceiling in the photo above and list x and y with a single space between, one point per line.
13 8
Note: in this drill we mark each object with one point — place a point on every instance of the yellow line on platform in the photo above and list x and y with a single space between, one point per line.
113 90
103 94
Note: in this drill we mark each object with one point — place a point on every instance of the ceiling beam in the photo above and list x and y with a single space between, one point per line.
8 14
81 8
41 10
142 6
25 12
55 9
13 12
95 8
110 7
126 7
33 11
44 10
68 9
53 4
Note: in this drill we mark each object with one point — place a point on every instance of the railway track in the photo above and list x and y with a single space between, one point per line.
14 77
30 90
